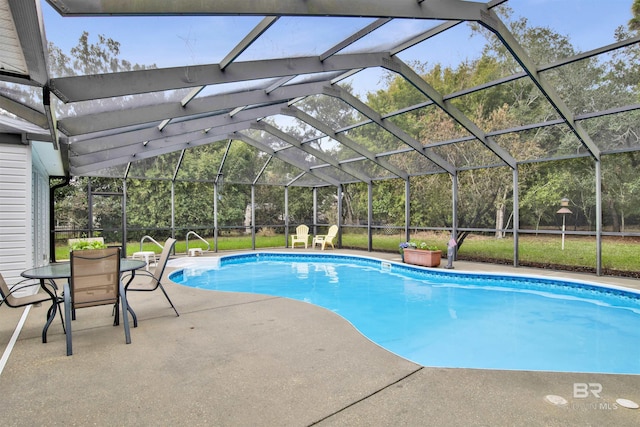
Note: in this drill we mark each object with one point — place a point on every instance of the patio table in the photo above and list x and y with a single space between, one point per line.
62 270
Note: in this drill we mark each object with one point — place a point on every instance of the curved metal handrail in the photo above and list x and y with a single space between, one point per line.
149 238
198 236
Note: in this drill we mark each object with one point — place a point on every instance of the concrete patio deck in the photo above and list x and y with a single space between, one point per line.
251 360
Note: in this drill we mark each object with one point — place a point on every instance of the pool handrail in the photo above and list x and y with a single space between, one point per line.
147 237
199 237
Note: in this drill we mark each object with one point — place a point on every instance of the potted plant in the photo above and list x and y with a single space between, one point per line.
420 254
405 245
82 245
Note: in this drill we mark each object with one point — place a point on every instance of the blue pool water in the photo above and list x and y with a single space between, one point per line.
437 317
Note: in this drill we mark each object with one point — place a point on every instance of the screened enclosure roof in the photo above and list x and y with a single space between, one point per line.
299 83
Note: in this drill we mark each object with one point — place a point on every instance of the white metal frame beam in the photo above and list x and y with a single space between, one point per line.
344 140
397 66
213 104
266 149
390 127
289 139
83 88
492 22
30 30
433 9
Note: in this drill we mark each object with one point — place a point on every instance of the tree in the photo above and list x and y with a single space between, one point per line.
620 188
634 23
541 193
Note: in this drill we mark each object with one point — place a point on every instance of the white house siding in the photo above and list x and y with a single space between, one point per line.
40 212
16 226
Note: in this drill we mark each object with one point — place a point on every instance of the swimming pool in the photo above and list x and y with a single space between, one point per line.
445 318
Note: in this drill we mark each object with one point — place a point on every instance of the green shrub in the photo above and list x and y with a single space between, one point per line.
86 244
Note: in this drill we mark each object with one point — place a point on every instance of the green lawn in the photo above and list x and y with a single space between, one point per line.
617 254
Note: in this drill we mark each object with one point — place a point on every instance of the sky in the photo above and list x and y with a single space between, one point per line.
175 41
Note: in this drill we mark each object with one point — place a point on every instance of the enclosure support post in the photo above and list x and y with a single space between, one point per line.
90 207
215 216
173 208
598 185
217 194
454 211
286 217
253 217
339 219
516 217
407 209
124 217
315 210
173 193
369 216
